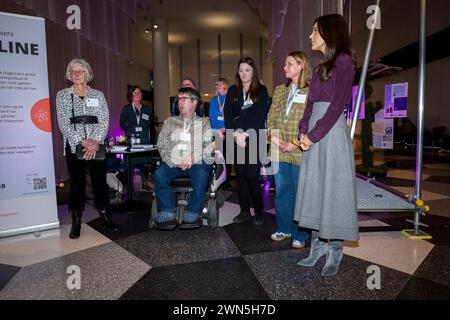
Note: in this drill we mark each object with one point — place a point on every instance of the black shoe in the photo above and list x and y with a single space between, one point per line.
258 219
191 225
242 216
104 214
168 225
76 224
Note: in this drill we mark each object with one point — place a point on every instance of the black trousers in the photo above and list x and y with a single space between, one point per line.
77 178
249 188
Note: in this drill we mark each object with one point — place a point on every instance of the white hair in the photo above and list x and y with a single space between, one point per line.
84 64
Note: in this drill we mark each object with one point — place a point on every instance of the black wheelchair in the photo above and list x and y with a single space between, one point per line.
182 187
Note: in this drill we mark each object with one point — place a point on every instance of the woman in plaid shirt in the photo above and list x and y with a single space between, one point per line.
288 105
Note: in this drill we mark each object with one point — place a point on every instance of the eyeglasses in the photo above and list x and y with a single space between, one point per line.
184 98
77 72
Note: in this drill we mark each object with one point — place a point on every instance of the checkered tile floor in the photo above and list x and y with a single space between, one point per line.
234 261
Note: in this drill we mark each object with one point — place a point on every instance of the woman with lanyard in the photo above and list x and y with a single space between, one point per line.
216 113
245 113
136 120
288 105
217 118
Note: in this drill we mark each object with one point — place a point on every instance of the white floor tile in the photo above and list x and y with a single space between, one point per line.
24 250
390 249
227 213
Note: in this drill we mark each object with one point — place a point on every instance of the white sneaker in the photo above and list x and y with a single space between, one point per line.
280 236
297 244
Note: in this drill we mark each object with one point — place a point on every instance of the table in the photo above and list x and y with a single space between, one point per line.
130 205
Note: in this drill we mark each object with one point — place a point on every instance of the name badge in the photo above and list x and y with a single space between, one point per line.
299 98
185 136
220 118
246 106
145 116
92 102
182 147
138 129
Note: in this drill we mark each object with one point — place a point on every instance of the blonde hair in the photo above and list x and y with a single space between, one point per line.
305 77
84 64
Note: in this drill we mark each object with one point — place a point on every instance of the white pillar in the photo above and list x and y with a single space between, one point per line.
160 43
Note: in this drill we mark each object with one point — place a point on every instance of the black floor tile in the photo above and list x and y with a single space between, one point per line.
421 289
128 223
397 220
7 272
255 239
224 279
440 237
401 164
267 199
283 279
160 248
397 182
436 266
445 179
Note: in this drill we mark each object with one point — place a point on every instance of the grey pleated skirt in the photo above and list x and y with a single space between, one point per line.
326 194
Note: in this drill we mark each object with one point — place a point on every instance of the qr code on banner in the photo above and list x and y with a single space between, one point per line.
40 183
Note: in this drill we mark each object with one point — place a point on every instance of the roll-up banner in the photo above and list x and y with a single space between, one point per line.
27 176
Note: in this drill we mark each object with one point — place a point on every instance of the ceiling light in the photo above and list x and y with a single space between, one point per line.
147 31
155 26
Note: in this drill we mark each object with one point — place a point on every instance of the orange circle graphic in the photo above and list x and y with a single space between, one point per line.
40 115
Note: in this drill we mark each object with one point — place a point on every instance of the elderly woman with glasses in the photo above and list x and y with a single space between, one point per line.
73 104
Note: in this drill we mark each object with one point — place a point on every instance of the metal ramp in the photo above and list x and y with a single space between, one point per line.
372 197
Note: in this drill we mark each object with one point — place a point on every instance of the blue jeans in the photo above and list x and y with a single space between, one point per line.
286 181
199 174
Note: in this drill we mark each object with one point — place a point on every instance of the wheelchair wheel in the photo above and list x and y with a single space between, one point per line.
213 213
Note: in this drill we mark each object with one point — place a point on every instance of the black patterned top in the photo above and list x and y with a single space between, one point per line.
94 104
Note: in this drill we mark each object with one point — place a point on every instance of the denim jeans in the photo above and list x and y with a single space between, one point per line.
286 181
199 174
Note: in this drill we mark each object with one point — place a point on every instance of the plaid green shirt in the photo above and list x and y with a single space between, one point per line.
288 126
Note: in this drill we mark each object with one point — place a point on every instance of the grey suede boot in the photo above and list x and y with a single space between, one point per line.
334 258
318 249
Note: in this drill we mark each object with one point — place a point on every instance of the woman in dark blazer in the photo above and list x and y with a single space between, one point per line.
245 111
137 119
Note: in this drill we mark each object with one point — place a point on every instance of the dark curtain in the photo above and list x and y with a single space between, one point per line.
104 41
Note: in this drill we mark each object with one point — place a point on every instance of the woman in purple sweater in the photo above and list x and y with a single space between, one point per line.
326 196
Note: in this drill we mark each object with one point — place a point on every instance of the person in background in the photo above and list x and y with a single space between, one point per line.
136 119
217 118
216 108
288 105
246 109
73 104
326 196
187 82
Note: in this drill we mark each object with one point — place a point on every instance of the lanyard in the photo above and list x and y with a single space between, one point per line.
247 100
221 105
290 101
188 127
138 116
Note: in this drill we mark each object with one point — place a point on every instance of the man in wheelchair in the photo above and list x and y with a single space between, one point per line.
185 146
